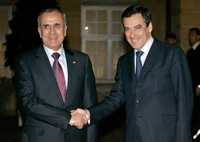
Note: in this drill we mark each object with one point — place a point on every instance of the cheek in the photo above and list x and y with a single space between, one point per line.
127 34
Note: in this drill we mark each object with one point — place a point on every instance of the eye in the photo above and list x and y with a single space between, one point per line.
45 26
126 28
57 25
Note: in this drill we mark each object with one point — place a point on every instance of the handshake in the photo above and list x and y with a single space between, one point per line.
79 117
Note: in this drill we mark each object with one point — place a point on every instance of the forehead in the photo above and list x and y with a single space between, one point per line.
135 19
53 16
193 32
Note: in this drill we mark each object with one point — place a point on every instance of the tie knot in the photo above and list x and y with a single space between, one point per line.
139 54
55 55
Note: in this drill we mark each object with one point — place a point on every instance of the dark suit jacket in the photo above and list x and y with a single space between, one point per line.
162 101
193 57
47 116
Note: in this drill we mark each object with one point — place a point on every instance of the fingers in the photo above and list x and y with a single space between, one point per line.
78 120
83 111
78 110
79 117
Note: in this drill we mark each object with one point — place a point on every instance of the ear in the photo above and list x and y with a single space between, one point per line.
150 27
40 32
65 30
198 37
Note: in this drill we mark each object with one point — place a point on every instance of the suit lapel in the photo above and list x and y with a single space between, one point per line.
150 60
71 64
131 67
44 64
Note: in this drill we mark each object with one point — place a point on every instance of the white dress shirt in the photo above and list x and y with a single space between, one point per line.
62 60
195 45
145 49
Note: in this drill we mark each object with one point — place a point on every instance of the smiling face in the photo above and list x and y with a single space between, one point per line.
52 29
136 31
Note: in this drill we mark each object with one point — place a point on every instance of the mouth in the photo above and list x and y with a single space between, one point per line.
53 37
135 40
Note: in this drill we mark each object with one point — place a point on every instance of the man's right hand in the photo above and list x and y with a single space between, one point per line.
78 120
84 112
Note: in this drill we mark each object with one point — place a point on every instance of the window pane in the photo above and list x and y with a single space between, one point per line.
101 46
90 15
117 46
115 58
100 72
101 59
91 28
116 16
4 15
117 29
114 70
92 58
102 16
103 38
101 28
90 46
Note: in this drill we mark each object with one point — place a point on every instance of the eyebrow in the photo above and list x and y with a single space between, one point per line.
53 24
57 24
45 25
138 26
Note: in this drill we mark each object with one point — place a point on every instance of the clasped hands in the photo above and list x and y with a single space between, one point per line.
79 117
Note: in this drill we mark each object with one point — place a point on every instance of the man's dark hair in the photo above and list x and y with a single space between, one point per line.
137 9
195 29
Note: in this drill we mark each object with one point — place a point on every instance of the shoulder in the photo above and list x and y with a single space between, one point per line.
190 51
76 55
27 55
74 52
165 45
166 48
128 55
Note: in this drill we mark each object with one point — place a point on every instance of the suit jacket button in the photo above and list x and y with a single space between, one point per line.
133 117
137 101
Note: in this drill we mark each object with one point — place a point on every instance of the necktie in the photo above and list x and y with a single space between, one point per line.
138 64
57 69
138 70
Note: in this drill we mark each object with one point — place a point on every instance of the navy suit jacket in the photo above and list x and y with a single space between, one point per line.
47 115
162 101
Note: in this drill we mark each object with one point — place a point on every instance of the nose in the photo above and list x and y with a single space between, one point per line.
132 33
52 30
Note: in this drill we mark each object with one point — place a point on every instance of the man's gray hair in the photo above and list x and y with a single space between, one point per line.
50 10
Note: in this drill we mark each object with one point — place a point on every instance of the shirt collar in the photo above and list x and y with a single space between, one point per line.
195 45
50 51
147 46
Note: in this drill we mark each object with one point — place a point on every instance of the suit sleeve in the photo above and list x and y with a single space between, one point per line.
182 85
33 105
111 103
90 98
